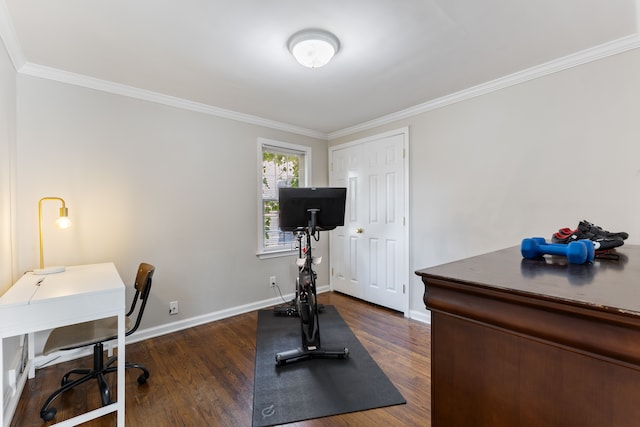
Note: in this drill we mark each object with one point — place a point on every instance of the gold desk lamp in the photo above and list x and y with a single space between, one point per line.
62 222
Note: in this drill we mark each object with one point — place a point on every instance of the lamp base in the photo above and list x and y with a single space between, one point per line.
48 270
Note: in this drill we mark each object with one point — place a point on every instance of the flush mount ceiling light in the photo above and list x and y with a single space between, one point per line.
313 48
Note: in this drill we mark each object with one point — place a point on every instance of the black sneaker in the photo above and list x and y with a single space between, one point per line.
588 227
599 243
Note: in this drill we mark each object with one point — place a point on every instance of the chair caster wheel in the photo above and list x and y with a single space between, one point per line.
49 414
142 378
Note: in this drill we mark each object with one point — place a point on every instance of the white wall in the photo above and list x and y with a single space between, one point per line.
7 148
148 182
523 162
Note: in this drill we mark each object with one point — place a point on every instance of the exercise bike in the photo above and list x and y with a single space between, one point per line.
306 302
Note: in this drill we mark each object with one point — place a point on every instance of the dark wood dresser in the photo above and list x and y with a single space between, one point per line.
518 342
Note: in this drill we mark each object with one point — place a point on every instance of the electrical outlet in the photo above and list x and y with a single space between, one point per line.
272 281
173 307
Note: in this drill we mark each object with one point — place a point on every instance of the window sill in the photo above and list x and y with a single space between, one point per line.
277 254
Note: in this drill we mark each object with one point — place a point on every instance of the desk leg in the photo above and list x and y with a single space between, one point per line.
31 351
121 362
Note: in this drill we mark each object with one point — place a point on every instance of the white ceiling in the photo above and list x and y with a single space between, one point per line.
232 55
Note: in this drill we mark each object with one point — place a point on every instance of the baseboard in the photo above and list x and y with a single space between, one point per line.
168 328
420 316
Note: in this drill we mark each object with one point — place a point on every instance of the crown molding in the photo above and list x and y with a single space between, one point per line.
55 74
9 37
592 54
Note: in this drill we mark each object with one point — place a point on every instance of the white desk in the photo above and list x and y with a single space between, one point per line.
80 294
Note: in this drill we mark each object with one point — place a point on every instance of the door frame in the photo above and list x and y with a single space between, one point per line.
400 131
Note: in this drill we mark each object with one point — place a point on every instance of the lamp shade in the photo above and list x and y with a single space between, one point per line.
313 48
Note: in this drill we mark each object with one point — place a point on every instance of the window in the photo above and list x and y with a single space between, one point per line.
280 165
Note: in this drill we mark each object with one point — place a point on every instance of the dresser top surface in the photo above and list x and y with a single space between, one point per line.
605 284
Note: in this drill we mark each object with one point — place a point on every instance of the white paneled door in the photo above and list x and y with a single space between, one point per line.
369 254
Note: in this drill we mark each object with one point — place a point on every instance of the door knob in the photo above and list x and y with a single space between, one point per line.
359 230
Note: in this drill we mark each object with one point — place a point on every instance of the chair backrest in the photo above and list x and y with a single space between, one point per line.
143 287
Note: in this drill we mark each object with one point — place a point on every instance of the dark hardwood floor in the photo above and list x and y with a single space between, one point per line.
203 376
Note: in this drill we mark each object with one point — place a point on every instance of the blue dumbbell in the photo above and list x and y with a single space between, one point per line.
577 252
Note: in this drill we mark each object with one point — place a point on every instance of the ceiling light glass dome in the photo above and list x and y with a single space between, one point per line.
313 48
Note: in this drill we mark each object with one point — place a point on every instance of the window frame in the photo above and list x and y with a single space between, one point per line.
304 181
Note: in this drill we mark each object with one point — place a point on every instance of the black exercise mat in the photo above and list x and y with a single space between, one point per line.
318 387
